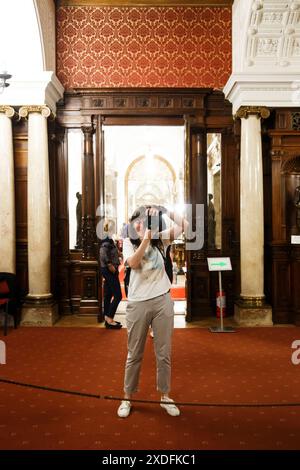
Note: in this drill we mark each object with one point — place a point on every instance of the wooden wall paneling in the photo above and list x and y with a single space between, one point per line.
285 143
61 245
281 284
20 138
75 275
295 282
197 182
89 303
230 187
230 198
99 197
88 196
291 182
267 188
278 226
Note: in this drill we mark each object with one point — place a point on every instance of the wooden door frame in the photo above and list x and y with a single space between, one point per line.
205 110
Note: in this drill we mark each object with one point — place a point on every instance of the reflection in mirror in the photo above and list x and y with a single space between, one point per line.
214 190
75 187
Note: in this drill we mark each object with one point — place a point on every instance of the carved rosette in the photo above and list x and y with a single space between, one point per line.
8 111
24 111
260 111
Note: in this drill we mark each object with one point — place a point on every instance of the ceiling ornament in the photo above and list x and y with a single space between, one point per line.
274 34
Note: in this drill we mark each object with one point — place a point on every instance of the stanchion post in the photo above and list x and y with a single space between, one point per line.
221 303
220 264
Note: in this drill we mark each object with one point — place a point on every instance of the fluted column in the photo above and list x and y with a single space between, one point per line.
251 308
7 200
39 308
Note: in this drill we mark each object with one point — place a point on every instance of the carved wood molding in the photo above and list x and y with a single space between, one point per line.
291 165
138 100
89 239
201 105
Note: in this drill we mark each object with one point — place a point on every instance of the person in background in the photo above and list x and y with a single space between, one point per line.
149 302
124 231
109 262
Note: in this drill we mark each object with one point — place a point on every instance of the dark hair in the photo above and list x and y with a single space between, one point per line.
140 213
107 240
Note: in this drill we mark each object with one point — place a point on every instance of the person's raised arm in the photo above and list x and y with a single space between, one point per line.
180 225
135 259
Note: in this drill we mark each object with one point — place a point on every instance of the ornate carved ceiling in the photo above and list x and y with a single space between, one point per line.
274 34
266 54
216 3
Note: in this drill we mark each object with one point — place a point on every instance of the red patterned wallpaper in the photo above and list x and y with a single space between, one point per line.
143 47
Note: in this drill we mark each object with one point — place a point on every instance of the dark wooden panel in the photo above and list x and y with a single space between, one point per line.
89 303
20 168
75 284
295 283
283 257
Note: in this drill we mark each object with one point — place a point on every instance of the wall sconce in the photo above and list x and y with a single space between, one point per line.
3 77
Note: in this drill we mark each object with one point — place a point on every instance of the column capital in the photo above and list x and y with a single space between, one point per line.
8 111
88 129
246 111
42 109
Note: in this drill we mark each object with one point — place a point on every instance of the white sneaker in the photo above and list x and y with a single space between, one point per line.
124 409
170 407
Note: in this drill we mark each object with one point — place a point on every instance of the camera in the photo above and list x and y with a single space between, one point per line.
155 222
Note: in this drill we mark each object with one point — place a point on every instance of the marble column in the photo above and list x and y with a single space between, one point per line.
251 309
39 308
7 201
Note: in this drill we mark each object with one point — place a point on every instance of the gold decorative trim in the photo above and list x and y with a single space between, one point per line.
8 111
246 111
145 3
42 109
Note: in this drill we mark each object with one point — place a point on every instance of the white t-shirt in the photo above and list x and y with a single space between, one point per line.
151 279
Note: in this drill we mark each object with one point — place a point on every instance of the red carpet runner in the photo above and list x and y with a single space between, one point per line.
253 365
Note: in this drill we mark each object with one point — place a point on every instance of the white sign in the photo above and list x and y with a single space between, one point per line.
219 264
295 239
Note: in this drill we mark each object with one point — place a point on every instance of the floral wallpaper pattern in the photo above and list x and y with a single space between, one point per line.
143 47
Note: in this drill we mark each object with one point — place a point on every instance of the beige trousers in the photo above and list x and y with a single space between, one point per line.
158 312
